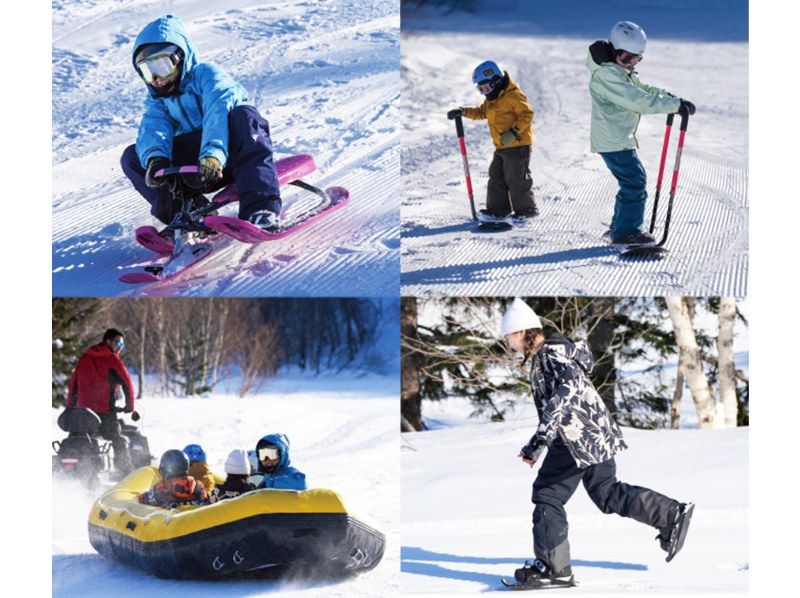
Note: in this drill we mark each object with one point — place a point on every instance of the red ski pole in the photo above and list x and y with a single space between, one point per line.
463 145
676 169
670 118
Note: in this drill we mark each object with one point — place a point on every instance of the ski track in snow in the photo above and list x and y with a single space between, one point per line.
466 513
325 75
561 252
334 448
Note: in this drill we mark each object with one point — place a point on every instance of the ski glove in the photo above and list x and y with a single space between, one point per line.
153 166
455 112
135 416
509 136
686 107
209 170
534 449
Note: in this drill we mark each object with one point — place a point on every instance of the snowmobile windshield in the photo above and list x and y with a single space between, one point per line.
268 453
160 65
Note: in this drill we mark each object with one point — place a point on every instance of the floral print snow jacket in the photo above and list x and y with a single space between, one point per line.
568 405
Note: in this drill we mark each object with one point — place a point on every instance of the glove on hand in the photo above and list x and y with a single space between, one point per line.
209 170
455 112
533 450
135 416
153 166
686 107
509 136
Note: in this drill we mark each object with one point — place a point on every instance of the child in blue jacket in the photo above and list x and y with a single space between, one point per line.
195 113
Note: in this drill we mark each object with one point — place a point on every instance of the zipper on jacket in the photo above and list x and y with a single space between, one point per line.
190 126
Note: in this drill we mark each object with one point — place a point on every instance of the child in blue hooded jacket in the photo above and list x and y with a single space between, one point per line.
195 113
273 463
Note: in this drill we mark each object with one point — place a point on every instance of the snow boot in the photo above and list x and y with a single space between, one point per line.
266 220
536 574
525 215
487 216
672 535
635 238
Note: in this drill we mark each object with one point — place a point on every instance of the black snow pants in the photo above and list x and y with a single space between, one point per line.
558 479
510 186
110 430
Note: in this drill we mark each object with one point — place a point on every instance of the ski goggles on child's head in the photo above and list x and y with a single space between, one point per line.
629 59
268 453
160 65
485 86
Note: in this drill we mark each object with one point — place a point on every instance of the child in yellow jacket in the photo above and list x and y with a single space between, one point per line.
510 118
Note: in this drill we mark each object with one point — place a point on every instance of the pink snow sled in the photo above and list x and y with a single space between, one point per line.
184 254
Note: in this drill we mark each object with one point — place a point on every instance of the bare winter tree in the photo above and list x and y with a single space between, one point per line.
410 363
727 367
690 360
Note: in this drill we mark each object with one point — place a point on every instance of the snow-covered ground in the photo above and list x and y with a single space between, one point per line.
466 512
325 74
543 45
343 431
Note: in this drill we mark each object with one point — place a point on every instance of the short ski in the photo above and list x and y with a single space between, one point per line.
191 254
545 585
679 533
241 230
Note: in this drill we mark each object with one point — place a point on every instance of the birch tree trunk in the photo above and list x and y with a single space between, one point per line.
689 360
727 368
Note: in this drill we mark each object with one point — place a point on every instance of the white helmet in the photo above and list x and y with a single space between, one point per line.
237 463
519 316
628 36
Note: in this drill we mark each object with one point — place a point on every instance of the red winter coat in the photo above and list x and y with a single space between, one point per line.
97 379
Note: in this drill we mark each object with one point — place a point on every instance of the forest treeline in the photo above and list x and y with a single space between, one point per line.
187 347
452 348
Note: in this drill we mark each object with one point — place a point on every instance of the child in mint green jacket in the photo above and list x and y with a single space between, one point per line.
618 101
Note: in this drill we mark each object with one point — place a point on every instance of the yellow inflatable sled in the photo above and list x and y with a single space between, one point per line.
309 531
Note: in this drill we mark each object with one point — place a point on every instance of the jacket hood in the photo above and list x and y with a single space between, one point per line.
578 352
282 442
601 54
504 84
100 350
168 29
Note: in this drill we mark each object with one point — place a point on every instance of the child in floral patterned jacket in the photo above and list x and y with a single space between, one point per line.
582 438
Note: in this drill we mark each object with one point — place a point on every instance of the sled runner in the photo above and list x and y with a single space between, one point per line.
195 230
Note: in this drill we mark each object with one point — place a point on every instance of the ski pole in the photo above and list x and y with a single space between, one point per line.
463 145
665 145
675 171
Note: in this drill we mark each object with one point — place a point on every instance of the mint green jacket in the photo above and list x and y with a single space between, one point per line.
618 101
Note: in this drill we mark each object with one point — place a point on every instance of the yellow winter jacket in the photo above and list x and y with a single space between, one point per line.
200 470
509 109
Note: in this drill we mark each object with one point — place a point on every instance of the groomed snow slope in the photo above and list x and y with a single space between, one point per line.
466 513
324 74
343 432
703 57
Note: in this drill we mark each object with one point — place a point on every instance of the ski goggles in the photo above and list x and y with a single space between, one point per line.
160 65
628 59
485 87
268 453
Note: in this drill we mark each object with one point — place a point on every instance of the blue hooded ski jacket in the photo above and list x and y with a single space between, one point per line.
205 96
285 477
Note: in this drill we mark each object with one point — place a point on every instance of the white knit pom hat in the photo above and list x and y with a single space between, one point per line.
237 463
519 316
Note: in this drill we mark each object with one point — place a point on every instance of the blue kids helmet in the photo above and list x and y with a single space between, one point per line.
195 452
486 76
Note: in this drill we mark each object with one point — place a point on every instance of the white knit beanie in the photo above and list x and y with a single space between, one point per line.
519 316
237 463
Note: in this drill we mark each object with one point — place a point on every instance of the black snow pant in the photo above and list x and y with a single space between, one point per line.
250 165
111 430
510 186
558 479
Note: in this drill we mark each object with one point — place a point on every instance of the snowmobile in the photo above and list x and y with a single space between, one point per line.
85 456
189 237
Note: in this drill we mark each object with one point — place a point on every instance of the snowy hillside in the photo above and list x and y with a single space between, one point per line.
324 74
344 437
543 45
466 513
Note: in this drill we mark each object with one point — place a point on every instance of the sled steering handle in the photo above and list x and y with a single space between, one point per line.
176 170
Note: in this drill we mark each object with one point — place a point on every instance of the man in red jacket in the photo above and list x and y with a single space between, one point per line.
96 383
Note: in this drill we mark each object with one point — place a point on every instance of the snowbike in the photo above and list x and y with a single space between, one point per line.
85 456
188 238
